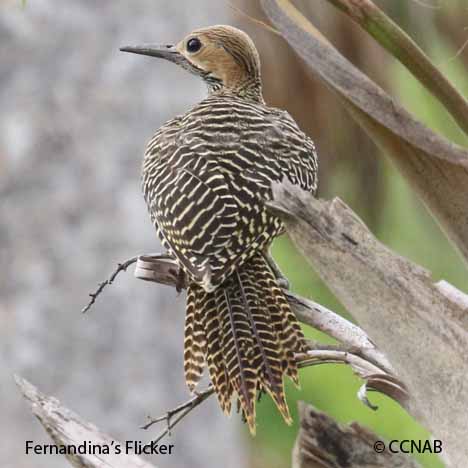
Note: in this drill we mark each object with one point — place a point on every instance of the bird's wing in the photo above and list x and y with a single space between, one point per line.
197 216
211 191
296 152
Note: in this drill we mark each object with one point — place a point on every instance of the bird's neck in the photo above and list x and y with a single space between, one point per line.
250 90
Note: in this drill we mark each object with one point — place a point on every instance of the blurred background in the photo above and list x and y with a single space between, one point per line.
75 117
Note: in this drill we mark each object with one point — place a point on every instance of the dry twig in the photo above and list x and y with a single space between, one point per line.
375 379
120 267
356 348
181 411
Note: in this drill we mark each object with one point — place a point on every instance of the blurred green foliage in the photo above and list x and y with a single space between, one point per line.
407 228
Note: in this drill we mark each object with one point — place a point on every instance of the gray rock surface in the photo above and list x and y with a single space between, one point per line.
75 116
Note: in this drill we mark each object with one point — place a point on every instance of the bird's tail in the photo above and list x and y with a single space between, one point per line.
246 334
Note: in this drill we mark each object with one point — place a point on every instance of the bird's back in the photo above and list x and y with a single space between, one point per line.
206 178
208 173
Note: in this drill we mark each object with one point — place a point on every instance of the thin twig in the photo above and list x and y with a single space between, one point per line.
155 269
355 348
162 269
192 403
120 267
374 377
428 5
460 50
253 20
182 411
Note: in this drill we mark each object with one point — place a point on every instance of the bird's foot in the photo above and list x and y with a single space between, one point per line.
180 280
282 281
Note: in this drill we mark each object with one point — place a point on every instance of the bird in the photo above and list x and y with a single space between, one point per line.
207 177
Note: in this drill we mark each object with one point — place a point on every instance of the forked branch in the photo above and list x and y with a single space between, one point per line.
355 348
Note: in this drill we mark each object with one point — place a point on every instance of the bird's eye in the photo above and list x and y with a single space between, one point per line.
193 45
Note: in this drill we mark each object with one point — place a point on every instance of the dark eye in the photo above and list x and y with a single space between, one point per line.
193 45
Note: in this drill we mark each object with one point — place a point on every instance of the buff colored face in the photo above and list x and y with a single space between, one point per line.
208 55
223 53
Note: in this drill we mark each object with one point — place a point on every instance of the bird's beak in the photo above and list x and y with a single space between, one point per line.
167 52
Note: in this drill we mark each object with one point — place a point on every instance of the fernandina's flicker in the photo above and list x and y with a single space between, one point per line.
206 177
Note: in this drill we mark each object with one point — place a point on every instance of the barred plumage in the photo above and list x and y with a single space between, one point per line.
206 178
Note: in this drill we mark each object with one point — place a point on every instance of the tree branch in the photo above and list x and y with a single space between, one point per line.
334 325
375 379
181 411
421 331
120 267
66 428
155 268
358 350
163 269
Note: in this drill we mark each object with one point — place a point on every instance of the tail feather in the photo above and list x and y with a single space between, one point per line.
267 347
237 347
195 339
289 331
247 334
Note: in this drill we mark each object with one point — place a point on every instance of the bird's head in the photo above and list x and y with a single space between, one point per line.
224 56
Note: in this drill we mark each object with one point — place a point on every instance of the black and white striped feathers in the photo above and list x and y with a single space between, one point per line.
207 175
206 178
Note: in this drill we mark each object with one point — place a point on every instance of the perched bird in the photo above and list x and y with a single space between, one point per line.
206 177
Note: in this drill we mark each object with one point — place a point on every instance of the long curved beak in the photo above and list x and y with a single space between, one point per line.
167 51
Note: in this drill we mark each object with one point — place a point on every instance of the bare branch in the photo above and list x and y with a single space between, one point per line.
167 273
155 268
376 379
120 267
356 349
68 429
422 332
329 322
163 269
456 296
181 411
323 443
